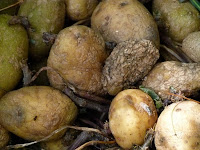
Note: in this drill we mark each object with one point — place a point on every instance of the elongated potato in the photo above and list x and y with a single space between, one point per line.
121 20
35 112
77 58
132 113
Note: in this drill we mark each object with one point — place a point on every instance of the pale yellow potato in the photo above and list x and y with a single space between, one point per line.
4 137
121 20
132 113
178 127
80 9
34 112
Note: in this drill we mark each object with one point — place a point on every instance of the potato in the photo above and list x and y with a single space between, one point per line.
77 58
13 53
35 112
6 3
121 20
178 127
183 77
132 113
176 19
4 137
191 46
80 9
43 16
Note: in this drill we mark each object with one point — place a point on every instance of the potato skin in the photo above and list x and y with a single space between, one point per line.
191 46
129 120
80 9
14 52
36 111
121 20
4 137
176 19
77 56
178 127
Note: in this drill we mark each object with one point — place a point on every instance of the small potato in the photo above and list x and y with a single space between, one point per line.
121 20
80 9
4 137
183 77
35 112
77 58
178 127
176 19
191 46
132 113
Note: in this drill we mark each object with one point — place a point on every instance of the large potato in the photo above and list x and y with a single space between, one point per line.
176 19
80 9
35 112
121 20
43 16
4 137
13 53
77 58
191 46
178 127
132 113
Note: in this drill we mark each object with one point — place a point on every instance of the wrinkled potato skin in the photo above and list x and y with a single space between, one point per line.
43 16
4 137
176 19
191 46
128 121
14 52
77 56
80 9
178 127
36 111
121 20
182 77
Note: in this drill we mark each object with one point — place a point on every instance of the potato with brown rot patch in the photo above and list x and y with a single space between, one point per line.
132 113
178 127
34 112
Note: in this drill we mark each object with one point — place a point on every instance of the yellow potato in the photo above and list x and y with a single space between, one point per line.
178 127
35 112
132 113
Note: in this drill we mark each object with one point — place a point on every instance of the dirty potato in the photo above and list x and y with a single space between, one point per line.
76 59
35 112
80 9
183 77
178 127
132 113
121 20
176 19
4 137
191 46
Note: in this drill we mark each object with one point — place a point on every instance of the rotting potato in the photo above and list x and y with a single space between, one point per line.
121 20
178 127
35 112
77 58
132 113
191 46
13 53
176 19
43 16
6 3
128 63
80 9
183 77
4 137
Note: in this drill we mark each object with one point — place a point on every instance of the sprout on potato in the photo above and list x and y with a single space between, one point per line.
132 113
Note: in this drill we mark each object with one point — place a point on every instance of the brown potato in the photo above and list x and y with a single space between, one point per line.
183 77
77 58
121 20
191 46
176 19
80 9
4 137
35 112
132 113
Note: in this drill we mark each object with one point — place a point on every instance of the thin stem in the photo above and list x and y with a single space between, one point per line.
12 5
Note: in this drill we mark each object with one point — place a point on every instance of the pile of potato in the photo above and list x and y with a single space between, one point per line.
106 49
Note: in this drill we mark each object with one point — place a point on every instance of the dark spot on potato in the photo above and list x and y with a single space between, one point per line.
123 4
35 118
186 141
107 18
178 109
129 99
